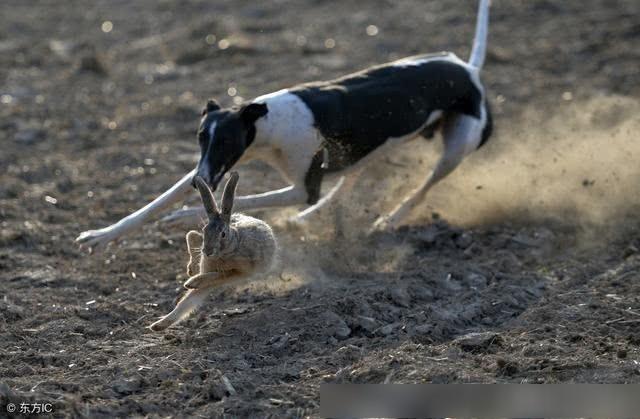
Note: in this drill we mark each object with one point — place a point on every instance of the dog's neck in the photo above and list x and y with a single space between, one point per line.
287 126
258 147
268 128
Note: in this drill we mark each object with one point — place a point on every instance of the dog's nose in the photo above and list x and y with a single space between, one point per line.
204 177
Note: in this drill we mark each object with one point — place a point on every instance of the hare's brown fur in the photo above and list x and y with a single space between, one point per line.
232 247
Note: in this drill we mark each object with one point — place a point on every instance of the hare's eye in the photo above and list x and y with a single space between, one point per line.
223 235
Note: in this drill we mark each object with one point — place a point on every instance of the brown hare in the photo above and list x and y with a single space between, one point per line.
231 248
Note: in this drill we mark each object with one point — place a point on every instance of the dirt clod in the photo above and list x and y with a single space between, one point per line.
126 386
482 342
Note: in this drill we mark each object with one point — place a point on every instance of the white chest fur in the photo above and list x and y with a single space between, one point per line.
288 125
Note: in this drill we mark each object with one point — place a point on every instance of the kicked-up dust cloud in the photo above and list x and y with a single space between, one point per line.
577 164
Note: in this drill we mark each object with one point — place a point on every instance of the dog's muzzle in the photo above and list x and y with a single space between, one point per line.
212 184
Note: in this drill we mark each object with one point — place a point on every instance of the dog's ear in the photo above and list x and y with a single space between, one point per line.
211 106
251 112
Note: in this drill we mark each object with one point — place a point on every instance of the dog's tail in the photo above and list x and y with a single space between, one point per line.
479 49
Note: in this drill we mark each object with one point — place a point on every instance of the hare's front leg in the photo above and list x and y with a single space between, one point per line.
194 247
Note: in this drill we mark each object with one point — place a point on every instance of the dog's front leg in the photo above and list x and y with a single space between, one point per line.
96 240
291 195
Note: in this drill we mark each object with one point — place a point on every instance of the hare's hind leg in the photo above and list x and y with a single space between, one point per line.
207 279
194 247
187 305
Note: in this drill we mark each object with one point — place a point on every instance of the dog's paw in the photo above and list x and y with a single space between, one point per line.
296 222
394 219
160 325
381 224
95 241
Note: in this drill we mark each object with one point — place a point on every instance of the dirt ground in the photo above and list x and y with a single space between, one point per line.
523 266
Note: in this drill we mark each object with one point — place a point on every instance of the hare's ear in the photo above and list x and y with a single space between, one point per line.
228 195
208 200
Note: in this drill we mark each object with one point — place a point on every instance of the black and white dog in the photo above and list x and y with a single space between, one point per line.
318 128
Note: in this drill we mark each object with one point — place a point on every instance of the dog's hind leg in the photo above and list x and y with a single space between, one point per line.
462 135
185 217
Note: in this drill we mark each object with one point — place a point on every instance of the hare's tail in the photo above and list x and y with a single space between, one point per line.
190 302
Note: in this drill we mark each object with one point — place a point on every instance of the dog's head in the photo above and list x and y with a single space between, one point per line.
224 135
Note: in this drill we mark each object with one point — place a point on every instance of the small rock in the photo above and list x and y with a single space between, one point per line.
12 311
240 363
235 311
428 235
192 56
470 251
29 136
543 233
279 342
6 392
386 330
400 297
337 326
478 342
423 329
126 386
629 251
350 352
216 390
506 367
91 63
166 374
525 240
368 324
419 317
464 240
342 333
421 293
227 385
476 280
